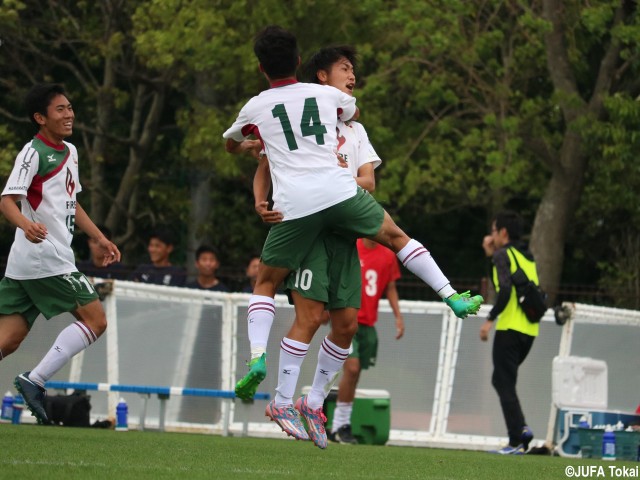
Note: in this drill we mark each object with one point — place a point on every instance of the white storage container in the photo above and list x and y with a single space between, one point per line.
579 382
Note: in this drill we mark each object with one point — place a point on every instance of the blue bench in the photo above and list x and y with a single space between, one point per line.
163 395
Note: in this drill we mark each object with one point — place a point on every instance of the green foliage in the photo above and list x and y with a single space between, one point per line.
8 152
456 97
610 210
463 101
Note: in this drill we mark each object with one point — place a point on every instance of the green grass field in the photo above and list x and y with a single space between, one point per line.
29 451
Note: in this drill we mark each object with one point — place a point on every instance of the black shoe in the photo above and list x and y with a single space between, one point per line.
33 397
344 435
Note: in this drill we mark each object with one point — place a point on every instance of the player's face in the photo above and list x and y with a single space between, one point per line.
58 124
342 76
207 264
159 251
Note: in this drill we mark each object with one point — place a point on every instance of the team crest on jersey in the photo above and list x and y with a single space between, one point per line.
341 139
70 183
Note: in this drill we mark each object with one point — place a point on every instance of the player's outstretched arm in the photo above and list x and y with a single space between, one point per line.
253 147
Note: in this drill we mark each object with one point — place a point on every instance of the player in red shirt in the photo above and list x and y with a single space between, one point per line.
380 271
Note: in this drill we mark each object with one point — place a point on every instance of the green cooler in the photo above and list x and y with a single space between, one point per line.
371 416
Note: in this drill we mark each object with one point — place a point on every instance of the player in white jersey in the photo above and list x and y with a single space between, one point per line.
284 118
41 276
330 274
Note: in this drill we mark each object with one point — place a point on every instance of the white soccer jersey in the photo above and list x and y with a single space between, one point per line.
354 146
46 178
296 123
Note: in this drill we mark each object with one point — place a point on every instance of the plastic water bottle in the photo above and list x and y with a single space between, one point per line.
584 423
122 411
608 444
6 414
18 407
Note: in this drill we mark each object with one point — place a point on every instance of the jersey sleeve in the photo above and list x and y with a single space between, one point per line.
24 169
346 106
242 127
366 153
73 152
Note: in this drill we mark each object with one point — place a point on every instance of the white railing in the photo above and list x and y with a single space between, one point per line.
438 375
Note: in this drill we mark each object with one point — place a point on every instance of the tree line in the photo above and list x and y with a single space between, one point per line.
473 106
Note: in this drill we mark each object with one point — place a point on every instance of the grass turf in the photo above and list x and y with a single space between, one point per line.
66 453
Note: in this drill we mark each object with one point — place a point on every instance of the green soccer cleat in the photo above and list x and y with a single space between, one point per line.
463 304
247 386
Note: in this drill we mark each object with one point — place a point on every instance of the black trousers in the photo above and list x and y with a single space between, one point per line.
510 348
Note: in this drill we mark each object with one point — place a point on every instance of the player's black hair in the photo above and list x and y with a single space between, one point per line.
277 51
206 249
165 235
324 58
39 98
512 222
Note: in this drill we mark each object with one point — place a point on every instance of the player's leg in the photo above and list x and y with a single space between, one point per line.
344 301
52 296
331 356
285 247
363 216
260 315
17 314
307 288
79 298
293 350
13 330
364 346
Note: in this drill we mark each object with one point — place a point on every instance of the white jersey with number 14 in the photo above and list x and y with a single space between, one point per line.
296 123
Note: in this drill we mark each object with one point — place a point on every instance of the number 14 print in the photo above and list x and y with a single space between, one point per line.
310 123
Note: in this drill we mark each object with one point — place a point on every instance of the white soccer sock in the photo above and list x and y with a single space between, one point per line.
419 261
72 340
341 415
262 311
292 355
330 360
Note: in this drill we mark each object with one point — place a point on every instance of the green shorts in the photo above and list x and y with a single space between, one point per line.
289 242
50 296
365 346
330 273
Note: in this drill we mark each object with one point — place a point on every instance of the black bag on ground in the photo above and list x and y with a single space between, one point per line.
532 299
69 410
